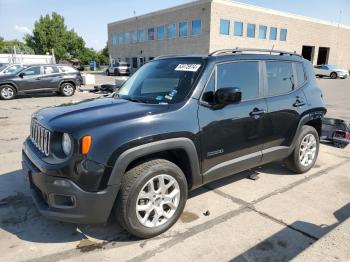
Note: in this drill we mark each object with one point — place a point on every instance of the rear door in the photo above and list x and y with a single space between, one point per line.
51 77
285 103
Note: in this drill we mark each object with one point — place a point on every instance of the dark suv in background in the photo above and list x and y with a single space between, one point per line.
178 123
62 79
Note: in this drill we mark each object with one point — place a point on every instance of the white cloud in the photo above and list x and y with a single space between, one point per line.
22 29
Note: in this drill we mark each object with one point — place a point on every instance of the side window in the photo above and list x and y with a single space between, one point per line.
300 74
279 78
67 69
243 75
32 71
51 70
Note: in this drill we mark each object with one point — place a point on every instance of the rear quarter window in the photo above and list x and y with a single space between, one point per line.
300 77
67 69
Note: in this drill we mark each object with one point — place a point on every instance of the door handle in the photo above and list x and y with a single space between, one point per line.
256 113
299 103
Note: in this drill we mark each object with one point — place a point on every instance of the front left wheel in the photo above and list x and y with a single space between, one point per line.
7 92
151 198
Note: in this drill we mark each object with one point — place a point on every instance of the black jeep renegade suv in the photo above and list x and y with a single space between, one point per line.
179 122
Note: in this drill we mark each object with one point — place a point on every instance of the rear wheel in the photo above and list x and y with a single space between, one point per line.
152 198
334 75
67 89
7 92
305 153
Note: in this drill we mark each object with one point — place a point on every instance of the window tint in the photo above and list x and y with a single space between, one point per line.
224 27
279 78
273 33
134 37
196 27
141 35
32 71
262 31
171 31
300 77
183 29
244 75
238 30
283 34
251 30
51 70
150 34
160 32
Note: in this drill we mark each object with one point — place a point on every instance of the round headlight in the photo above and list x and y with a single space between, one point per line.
66 144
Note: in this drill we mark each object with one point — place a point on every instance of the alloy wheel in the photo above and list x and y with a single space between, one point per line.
307 150
7 92
67 89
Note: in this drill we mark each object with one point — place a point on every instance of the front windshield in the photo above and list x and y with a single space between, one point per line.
2 67
332 67
164 81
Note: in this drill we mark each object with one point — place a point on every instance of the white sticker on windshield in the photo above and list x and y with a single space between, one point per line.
188 67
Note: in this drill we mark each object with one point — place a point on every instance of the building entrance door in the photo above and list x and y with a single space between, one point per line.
308 52
323 54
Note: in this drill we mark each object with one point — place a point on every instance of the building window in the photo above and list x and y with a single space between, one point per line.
262 31
114 39
196 27
134 37
150 34
283 34
171 31
251 30
142 61
141 35
121 38
127 38
224 27
160 32
183 29
273 33
134 62
238 29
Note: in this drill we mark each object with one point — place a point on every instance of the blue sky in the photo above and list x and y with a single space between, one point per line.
89 18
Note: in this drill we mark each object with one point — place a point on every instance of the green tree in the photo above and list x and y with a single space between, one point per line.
7 47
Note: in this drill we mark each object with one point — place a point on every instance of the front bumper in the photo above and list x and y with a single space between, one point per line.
61 199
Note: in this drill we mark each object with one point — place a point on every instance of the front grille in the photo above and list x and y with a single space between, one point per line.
40 137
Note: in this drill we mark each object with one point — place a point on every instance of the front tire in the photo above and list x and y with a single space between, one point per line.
67 89
151 198
305 153
7 92
334 75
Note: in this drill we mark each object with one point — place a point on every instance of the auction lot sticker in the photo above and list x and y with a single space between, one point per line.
188 67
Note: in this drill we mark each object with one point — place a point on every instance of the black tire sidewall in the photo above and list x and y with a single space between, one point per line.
334 74
9 86
133 224
305 131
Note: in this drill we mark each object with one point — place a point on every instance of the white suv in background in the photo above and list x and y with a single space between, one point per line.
331 70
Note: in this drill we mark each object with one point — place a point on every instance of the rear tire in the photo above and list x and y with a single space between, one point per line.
67 89
7 92
305 153
334 75
152 197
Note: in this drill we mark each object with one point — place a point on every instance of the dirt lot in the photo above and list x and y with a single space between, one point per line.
273 218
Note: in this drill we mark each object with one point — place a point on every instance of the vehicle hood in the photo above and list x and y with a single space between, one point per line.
344 71
92 113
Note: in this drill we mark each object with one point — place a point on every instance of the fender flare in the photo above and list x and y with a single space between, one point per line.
131 154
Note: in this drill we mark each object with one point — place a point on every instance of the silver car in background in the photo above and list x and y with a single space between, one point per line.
331 71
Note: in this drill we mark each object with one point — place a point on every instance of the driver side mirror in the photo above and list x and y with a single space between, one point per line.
21 75
223 97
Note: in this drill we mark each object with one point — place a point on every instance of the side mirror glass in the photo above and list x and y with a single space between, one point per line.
227 95
21 75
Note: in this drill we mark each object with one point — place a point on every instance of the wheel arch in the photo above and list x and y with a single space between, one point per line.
180 151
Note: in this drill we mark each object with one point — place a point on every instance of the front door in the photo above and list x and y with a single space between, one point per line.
232 137
30 80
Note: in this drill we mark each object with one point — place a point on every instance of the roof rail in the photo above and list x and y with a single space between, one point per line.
241 50
169 55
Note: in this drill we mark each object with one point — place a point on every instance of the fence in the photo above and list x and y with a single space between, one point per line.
27 59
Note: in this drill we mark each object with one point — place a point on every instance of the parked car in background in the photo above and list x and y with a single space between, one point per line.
331 71
178 123
10 69
119 68
62 79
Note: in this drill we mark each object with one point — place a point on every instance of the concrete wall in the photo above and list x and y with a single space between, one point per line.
300 31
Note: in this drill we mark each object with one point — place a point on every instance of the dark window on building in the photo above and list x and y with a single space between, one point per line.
196 27
243 75
171 31
134 62
142 61
300 74
262 31
251 30
183 29
279 78
150 34
224 27
160 32
283 34
238 28
273 33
